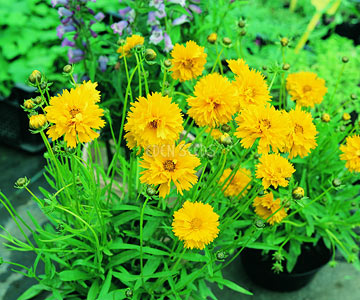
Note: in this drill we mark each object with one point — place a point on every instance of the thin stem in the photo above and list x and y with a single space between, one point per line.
141 240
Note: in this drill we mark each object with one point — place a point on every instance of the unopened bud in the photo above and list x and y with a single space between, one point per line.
241 23
286 67
346 117
21 183
129 293
220 255
212 38
209 155
298 193
67 69
121 42
353 96
227 41
342 128
35 76
345 59
29 104
264 67
284 41
336 182
151 191
167 63
37 121
278 256
225 128
277 268
150 54
256 155
260 223
233 166
38 100
325 118
225 139
243 32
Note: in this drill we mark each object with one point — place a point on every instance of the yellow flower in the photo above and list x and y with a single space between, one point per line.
37 121
212 37
306 88
264 122
75 115
325 118
236 183
130 43
196 224
187 61
346 117
265 206
89 88
351 153
153 121
301 138
274 170
214 102
215 133
29 104
165 164
250 85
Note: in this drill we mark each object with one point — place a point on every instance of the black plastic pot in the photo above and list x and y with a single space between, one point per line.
311 260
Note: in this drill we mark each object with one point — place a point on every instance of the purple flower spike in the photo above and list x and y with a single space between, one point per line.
99 16
168 44
156 36
103 60
75 55
161 13
56 2
124 11
61 30
156 3
93 33
195 8
180 20
66 42
152 20
63 12
119 27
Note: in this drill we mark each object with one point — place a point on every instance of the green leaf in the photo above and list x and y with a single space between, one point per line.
294 252
106 286
32 292
93 291
73 275
231 285
209 262
120 245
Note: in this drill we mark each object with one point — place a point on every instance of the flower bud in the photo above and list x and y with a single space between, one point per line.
346 117
37 121
167 63
227 41
242 23
38 100
286 67
225 128
29 104
345 59
284 41
150 54
167 92
298 193
256 155
233 166
277 268
332 264
129 293
278 256
243 32
220 255
264 67
151 191
260 223
336 182
21 183
67 69
35 76
342 128
225 139
325 118
212 38
121 42
353 96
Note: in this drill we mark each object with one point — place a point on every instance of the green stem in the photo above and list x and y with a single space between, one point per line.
141 240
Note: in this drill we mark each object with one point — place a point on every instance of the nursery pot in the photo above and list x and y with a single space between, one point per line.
310 261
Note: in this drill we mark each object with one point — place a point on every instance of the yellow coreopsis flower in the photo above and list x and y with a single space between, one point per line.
75 115
214 102
250 85
301 138
265 206
306 88
196 224
265 123
89 88
165 164
274 170
37 121
130 43
187 61
236 182
154 120
351 153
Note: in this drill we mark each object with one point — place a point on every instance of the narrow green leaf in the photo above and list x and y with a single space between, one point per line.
72 275
231 285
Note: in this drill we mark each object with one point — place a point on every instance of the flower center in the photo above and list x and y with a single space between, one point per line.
264 124
188 63
74 112
306 88
196 223
298 129
154 124
169 165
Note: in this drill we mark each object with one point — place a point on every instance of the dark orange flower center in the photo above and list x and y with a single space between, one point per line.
169 165
196 223
298 129
188 63
264 124
306 88
74 112
154 124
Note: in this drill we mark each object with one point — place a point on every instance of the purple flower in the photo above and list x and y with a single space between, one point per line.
63 12
124 11
152 21
156 36
56 2
181 2
180 20
156 3
131 16
103 60
67 20
168 43
75 55
93 33
161 13
61 29
119 27
195 8
67 42
99 16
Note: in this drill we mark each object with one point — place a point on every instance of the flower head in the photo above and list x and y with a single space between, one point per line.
165 164
265 206
264 122
130 43
89 88
214 101
236 182
301 138
306 88
274 170
187 61
196 224
75 115
351 153
37 121
153 121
